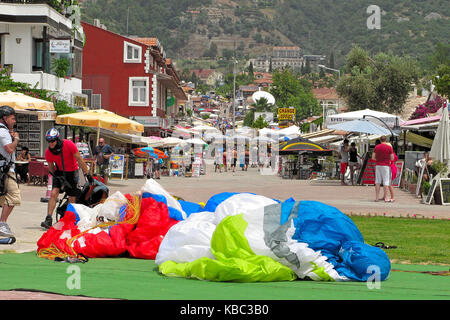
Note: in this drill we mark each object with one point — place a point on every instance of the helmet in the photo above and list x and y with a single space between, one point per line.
6 111
52 135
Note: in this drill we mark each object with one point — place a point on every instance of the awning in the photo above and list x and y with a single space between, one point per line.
422 127
123 137
417 139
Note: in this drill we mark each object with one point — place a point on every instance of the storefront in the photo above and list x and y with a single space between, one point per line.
32 126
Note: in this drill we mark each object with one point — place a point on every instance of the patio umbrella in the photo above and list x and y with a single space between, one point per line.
171 141
100 119
195 141
151 152
361 126
19 101
263 139
372 115
440 150
301 145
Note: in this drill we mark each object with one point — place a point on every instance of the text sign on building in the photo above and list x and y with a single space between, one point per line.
286 114
148 121
46 115
59 46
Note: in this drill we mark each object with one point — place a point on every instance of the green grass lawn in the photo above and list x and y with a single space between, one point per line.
417 240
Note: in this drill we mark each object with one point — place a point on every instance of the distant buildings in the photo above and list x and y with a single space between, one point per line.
286 56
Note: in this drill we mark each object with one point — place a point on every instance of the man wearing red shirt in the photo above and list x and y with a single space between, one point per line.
63 159
383 155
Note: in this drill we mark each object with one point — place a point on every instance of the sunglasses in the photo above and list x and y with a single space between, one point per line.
50 141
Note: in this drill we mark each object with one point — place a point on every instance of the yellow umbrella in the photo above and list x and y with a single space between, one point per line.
100 118
19 101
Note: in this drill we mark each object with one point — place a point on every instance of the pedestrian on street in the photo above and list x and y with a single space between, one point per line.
63 159
383 154
103 152
8 144
353 160
22 169
393 174
343 154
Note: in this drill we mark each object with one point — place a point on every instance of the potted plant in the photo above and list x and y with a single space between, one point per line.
425 188
412 186
61 67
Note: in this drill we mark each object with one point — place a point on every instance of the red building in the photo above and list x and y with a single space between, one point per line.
131 77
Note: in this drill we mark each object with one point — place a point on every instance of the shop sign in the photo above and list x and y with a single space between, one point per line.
286 114
152 122
80 101
46 115
59 46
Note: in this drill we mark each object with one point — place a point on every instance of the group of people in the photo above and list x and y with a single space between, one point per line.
64 161
385 168
349 159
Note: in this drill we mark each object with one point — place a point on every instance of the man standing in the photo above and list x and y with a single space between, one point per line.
383 154
8 144
343 152
63 159
102 153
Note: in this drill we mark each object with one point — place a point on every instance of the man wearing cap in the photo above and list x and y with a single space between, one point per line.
8 144
63 159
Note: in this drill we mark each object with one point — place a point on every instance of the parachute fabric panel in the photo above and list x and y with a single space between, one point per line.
234 260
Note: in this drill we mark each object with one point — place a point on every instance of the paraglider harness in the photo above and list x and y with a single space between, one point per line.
91 194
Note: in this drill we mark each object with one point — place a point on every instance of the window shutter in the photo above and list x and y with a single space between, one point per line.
96 101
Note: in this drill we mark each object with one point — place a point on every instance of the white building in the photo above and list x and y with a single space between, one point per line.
32 37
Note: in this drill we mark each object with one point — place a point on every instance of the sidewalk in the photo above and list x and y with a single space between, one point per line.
25 220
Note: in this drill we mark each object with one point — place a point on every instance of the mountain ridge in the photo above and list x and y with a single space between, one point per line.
187 28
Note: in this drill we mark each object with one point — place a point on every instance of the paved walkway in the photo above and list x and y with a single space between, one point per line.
352 200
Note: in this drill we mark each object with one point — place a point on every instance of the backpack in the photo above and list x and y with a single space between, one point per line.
4 169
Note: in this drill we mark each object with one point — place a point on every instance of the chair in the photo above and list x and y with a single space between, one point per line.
37 173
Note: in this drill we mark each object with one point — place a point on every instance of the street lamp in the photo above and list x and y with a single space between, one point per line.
339 75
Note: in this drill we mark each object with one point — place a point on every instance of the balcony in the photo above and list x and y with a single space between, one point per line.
59 6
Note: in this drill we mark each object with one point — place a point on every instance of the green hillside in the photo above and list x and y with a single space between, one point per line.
186 28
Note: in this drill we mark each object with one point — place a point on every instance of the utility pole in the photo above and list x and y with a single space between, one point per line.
128 14
234 86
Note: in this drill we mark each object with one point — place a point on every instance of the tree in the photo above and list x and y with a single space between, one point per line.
289 91
442 82
380 83
250 69
441 56
331 61
260 123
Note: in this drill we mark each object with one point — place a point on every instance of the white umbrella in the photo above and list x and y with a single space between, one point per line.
361 126
372 115
194 141
205 128
171 141
263 139
440 150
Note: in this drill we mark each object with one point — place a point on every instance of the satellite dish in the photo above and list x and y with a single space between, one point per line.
263 94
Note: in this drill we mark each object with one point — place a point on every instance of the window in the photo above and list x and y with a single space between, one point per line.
138 94
131 53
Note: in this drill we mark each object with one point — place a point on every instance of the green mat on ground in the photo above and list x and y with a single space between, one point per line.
139 279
